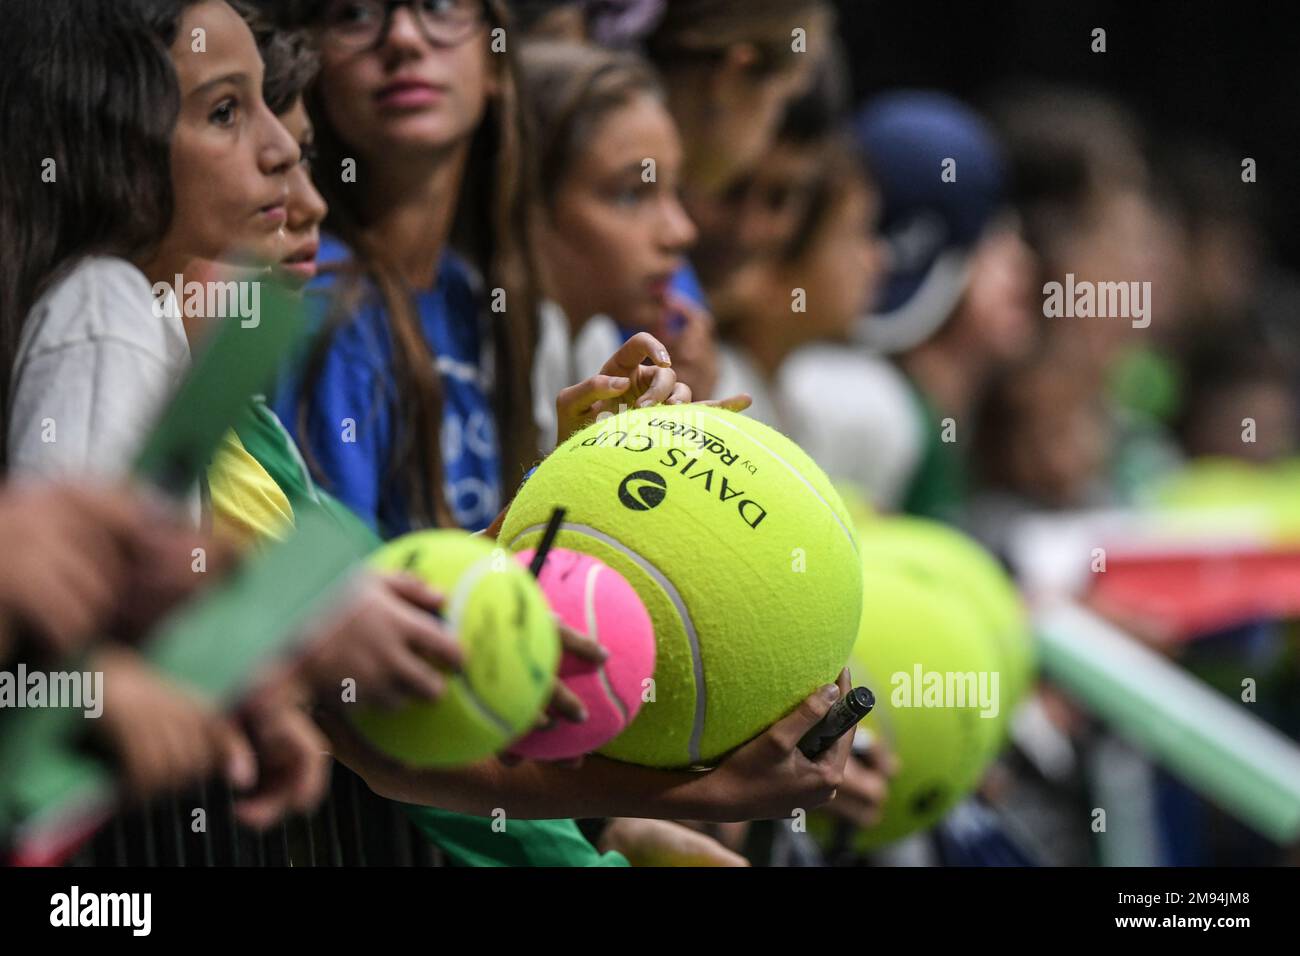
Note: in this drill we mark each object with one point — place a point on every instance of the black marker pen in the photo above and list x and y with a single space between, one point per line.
841 718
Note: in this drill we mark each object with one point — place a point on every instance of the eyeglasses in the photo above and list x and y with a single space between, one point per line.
364 24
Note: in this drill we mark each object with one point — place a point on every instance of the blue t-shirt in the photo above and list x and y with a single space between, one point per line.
353 422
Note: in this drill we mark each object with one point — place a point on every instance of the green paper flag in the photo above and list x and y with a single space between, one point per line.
54 794
236 362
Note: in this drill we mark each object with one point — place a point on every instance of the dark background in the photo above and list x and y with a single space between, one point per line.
1224 72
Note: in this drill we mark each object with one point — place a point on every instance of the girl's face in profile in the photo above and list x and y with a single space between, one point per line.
612 240
998 314
305 207
408 95
230 156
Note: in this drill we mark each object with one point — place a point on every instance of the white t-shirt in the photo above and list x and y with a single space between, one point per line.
851 411
94 369
737 373
854 413
563 360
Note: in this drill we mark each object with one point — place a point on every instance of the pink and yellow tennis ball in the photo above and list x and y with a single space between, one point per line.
593 599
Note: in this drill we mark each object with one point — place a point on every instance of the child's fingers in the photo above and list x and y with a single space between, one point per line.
789 730
634 351
188 750
862 793
580 398
580 645
428 638
61 615
416 676
88 582
414 591
568 704
871 787
115 510
293 776
611 406
660 387
734 403
305 746
876 757
436 645
236 757
94 543
838 753
144 764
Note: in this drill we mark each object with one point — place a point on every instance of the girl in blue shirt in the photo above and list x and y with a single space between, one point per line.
415 404
350 417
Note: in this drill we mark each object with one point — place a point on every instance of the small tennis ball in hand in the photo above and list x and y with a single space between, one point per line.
593 599
512 649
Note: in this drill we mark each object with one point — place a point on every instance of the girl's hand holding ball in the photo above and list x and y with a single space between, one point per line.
623 381
769 778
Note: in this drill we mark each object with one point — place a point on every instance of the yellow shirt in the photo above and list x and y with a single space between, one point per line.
246 501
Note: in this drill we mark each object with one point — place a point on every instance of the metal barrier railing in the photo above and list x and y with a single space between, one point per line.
351 827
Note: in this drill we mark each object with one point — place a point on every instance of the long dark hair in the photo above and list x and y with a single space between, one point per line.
289 56
490 231
90 98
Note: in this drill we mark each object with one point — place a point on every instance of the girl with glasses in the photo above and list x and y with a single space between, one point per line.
416 407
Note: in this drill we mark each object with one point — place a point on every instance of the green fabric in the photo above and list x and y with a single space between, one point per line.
939 486
472 841
1144 390
1146 383
267 440
467 840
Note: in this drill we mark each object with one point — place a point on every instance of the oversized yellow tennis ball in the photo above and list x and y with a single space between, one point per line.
931 665
945 646
741 551
1260 497
939 554
512 651
857 502
1216 482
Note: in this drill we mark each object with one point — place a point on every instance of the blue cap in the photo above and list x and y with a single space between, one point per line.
933 211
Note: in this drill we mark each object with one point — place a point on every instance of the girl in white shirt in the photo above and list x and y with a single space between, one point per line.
611 232
128 155
168 159
165 158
